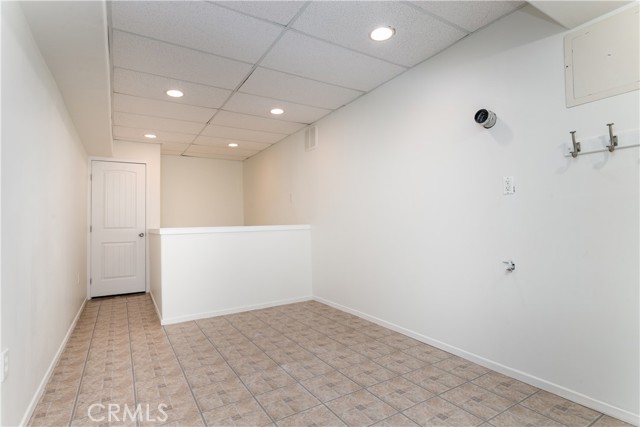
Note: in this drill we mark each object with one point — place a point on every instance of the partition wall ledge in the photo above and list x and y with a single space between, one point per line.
234 229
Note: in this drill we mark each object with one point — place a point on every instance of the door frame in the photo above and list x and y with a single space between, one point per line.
90 161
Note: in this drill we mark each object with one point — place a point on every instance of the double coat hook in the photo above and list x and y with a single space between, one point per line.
613 139
576 144
613 142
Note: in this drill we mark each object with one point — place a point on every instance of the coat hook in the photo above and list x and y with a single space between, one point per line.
576 144
613 138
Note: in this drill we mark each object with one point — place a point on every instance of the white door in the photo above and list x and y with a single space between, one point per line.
118 232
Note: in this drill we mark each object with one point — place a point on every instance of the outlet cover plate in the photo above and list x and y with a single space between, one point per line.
508 185
4 365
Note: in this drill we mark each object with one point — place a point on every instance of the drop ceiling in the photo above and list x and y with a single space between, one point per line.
236 60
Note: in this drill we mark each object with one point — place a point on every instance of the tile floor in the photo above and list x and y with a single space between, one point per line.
303 364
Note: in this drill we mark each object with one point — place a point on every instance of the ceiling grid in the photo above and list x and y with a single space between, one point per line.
235 61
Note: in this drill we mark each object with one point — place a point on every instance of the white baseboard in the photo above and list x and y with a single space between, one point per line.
540 383
52 366
158 312
186 318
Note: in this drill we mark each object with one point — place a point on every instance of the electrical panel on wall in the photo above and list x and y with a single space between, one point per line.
601 59
310 138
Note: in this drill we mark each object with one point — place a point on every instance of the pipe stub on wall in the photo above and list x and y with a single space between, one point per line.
485 118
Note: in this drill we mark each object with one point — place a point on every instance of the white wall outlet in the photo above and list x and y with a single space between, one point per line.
4 365
508 185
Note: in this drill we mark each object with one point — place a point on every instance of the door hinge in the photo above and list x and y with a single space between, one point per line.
91 281
90 228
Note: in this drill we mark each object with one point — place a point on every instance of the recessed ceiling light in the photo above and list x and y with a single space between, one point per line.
381 34
175 93
277 111
150 136
232 145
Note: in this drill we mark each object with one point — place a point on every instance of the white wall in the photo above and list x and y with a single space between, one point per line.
409 224
205 272
1 23
44 224
201 192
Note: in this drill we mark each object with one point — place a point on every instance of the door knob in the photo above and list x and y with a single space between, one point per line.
141 235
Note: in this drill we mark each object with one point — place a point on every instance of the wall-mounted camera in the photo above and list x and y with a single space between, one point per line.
485 118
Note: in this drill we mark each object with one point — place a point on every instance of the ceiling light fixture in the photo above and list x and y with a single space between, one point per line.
232 145
277 111
381 34
174 93
150 136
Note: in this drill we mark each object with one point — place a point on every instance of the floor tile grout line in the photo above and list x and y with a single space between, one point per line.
184 375
133 368
435 394
600 414
468 381
51 380
298 413
440 395
401 413
479 417
84 366
366 388
295 379
432 397
234 371
518 403
515 403
245 327
596 420
308 391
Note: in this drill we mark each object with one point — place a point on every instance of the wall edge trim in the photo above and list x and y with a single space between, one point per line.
45 380
156 307
540 383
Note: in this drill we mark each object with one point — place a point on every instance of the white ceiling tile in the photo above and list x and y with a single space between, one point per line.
223 142
326 61
469 15
152 86
305 56
418 35
261 106
217 156
198 25
136 134
274 84
281 12
154 57
156 123
229 151
242 134
170 152
152 107
238 120
173 147
221 151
